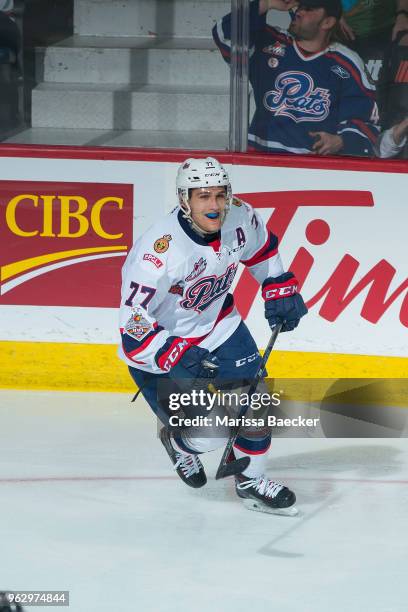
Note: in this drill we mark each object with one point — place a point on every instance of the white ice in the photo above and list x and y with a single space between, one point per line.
89 504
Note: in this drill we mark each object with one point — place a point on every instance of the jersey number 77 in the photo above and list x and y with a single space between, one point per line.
143 289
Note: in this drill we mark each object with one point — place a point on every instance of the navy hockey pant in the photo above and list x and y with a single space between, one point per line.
239 360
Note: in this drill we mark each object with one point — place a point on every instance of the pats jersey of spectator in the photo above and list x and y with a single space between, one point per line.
298 93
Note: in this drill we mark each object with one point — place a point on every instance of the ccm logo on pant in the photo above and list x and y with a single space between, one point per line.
244 360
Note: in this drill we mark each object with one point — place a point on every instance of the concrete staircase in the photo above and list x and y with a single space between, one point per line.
144 72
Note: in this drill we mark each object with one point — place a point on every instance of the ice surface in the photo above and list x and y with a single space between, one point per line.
89 504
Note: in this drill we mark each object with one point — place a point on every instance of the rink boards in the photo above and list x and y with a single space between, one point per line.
70 215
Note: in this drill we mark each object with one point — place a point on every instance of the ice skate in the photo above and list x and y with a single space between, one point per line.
188 467
264 495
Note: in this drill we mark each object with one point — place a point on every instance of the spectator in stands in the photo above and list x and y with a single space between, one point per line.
311 95
375 29
373 24
9 35
392 141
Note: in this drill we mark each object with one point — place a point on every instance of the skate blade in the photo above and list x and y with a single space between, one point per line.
252 504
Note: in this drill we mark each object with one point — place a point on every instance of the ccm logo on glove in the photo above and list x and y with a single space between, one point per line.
283 304
276 291
172 352
184 360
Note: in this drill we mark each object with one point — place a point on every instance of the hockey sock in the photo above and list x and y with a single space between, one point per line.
180 445
257 466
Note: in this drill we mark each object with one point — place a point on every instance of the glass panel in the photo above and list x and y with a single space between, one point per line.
238 61
312 93
118 73
146 73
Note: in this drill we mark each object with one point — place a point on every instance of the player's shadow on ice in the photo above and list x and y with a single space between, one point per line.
316 475
367 460
320 479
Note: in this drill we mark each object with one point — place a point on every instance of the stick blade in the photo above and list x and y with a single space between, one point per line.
234 467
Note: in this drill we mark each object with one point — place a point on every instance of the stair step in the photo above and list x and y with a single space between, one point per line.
194 140
137 42
147 107
107 60
165 18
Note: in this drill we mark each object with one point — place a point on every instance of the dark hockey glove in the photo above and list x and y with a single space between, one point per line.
184 360
282 301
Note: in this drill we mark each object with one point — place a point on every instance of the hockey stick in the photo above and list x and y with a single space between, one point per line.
239 465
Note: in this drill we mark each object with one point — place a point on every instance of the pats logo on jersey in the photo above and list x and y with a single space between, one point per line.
198 269
295 96
138 326
208 289
162 244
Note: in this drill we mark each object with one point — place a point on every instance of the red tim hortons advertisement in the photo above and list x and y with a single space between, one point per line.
63 243
349 278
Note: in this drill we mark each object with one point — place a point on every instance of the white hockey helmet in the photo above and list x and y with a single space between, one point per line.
196 173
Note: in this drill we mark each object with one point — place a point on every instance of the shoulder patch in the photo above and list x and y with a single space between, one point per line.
162 244
138 326
198 269
236 202
155 260
340 71
177 289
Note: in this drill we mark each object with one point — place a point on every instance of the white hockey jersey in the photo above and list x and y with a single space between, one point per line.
175 284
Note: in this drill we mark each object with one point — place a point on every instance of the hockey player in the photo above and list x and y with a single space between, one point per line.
311 94
178 321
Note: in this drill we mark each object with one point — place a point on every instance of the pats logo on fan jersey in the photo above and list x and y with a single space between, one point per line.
208 289
296 97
